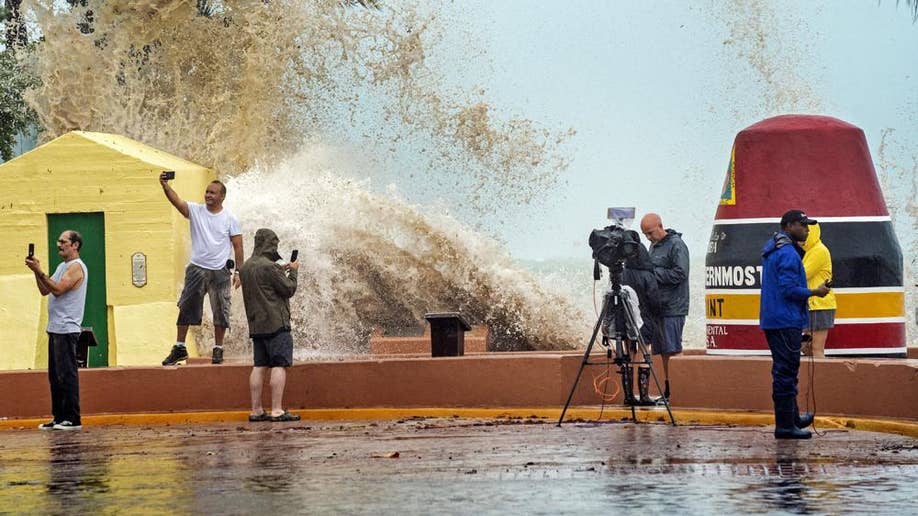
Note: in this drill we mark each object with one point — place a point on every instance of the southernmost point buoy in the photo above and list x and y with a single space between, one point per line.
822 166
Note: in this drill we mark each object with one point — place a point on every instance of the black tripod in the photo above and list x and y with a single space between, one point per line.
617 309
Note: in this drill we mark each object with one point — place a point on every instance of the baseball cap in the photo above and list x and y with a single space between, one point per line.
796 216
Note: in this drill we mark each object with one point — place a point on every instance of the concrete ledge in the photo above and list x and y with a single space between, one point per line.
870 388
475 341
536 414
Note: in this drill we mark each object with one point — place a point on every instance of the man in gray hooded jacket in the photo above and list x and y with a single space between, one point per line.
670 258
266 291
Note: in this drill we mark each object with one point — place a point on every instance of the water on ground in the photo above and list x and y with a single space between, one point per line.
453 466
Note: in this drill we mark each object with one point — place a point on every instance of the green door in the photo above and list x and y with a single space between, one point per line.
92 227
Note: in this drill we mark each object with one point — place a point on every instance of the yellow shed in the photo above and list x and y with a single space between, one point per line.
136 245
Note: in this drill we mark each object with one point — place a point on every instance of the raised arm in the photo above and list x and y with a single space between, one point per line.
35 265
173 197
71 279
284 280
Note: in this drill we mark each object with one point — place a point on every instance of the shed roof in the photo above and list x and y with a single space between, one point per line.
121 144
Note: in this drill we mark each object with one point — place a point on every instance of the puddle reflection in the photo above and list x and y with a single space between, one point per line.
786 486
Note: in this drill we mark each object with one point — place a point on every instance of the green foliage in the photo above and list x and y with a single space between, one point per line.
15 116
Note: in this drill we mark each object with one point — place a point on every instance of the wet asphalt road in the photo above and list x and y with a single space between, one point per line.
453 466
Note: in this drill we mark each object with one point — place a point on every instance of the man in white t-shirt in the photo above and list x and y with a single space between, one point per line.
214 232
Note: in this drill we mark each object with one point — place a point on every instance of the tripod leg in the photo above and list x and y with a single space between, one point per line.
648 360
653 374
586 360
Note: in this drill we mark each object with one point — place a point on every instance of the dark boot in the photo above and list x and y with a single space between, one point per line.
628 385
802 421
784 420
644 387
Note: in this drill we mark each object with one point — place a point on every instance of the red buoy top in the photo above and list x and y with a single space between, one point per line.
818 164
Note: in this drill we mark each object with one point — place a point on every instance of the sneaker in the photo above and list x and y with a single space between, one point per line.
47 426
67 425
217 357
178 354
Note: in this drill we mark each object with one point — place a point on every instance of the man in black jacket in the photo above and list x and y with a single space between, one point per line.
670 258
638 275
266 291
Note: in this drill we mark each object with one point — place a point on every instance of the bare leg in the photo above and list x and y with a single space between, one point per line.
819 343
256 380
278 381
181 333
665 358
219 333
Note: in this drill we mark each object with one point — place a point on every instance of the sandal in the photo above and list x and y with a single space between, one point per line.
264 416
286 416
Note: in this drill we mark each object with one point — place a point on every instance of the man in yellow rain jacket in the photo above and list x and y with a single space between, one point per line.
817 262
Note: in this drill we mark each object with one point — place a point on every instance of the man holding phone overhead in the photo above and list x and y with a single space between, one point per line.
214 232
267 287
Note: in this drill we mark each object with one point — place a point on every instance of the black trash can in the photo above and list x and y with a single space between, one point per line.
87 340
447 334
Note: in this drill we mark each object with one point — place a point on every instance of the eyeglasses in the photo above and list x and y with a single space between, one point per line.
62 241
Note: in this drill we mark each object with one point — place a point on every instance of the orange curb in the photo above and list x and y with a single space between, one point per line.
656 415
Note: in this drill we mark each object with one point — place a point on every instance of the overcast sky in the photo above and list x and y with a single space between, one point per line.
657 90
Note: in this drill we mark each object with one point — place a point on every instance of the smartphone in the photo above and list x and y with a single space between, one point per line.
31 250
294 255
167 175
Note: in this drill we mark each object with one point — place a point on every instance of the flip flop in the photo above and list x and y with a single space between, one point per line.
286 416
264 416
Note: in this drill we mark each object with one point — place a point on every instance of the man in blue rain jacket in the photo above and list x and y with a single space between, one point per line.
783 316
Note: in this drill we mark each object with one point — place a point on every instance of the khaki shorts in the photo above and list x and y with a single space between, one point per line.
198 282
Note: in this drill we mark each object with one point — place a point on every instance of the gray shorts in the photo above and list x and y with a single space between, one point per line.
198 282
672 336
822 319
274 351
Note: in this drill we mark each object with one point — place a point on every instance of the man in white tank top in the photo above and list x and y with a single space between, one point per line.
214 233
67 287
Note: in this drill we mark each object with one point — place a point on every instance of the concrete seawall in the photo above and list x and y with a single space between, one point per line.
884 388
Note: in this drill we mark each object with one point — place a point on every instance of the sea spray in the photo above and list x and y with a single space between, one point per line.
255 80
244 89
370 261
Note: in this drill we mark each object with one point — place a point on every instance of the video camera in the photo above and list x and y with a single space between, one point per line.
612 245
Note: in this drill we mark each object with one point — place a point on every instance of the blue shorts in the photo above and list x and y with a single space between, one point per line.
672 336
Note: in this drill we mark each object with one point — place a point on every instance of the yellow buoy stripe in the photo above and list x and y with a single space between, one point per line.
849 305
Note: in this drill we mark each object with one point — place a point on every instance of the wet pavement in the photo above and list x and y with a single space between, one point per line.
453 466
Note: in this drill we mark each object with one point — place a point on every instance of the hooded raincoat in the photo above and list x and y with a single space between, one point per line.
670 259
266 288
818 265
638 274
784 291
